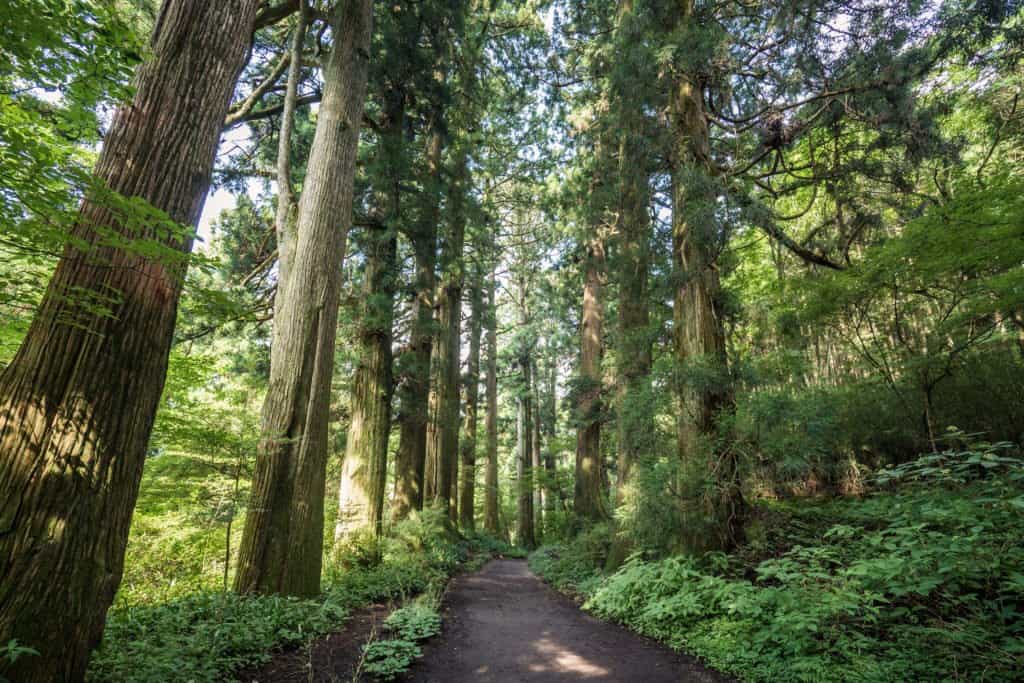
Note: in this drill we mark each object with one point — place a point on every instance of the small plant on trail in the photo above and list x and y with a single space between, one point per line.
414 622
386 659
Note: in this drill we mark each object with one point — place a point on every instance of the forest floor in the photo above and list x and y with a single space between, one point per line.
503 624
331 659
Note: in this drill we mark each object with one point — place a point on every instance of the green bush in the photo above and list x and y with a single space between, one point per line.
414 622
205 636
574 566
386 659
923 582
487 545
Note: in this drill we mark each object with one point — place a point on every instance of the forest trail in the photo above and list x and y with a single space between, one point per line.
503 625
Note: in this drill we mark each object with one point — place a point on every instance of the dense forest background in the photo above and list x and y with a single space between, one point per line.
716 308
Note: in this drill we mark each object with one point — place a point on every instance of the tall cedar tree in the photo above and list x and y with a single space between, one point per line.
364 469
491 427
632 235
698 318
414 377
588 498
77 403
524 425
441 473
282 545
468 443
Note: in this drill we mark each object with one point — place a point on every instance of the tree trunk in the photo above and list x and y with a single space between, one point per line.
699 327
467 495
491 522
443 425
282 545
588 498
548 422
636 420
536 467
77 402
284 219
414 365
633 353
524 453
364 470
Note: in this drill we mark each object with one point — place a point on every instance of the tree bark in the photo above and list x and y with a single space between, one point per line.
414 364
364 470
77 402
548 422
284 219
698 321
491 522
467 495
536 463
443 425
588 499
524 453
282 545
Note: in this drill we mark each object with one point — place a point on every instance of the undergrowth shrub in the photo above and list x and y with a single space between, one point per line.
414 622
922 580
407 626
387 659
207 635
574 566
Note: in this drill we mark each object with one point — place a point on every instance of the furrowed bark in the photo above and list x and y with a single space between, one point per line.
588 499
77 402
535 457
698 322
364 470
414 364
282 545
443 424
524 431
284 219
491 522
467 445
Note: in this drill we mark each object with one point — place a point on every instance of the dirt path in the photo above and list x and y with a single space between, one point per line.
503 625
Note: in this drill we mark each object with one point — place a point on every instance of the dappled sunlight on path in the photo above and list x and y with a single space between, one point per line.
503 624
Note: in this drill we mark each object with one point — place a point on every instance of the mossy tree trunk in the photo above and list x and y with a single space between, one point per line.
282 545
364 469
78 400
588 498
698 320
